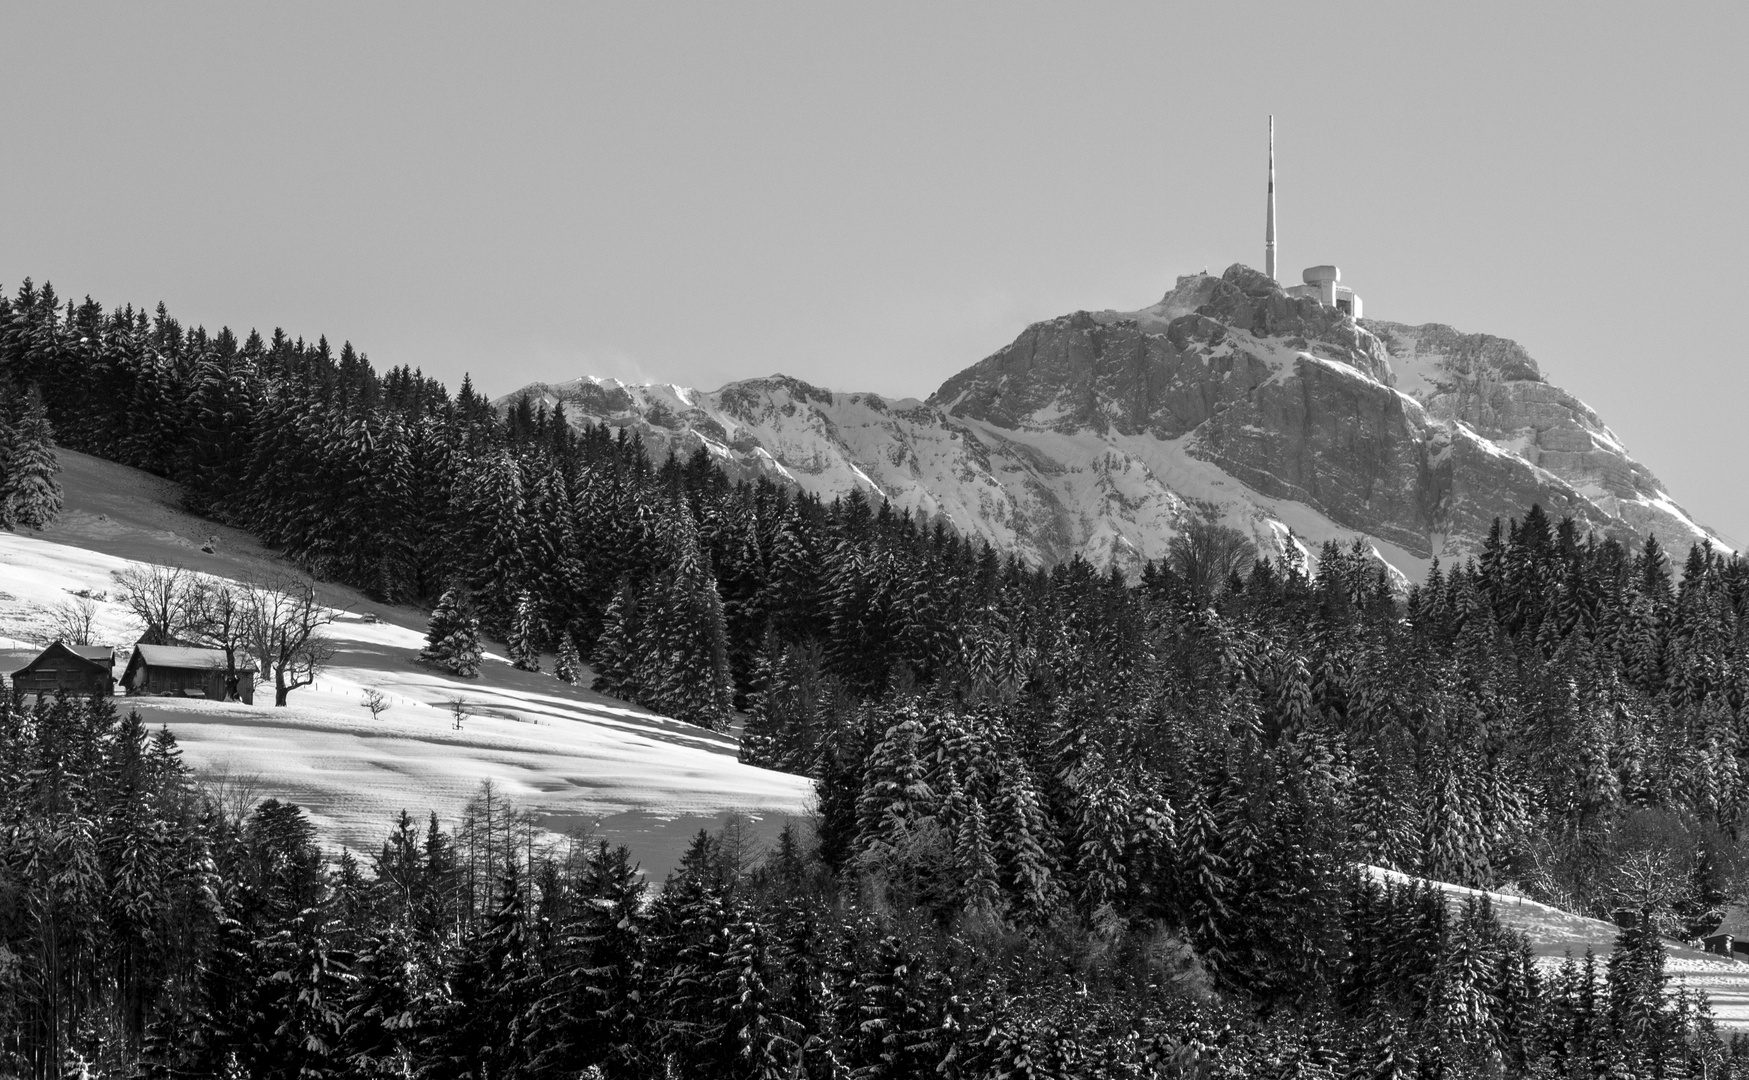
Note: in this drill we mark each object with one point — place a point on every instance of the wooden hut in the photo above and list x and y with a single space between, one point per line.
1732 936
179 671
69 669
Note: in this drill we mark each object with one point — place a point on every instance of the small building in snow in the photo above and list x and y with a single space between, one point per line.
179 671
1323 284
80 670
1732 936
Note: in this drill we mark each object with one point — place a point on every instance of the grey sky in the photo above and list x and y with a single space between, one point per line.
875 196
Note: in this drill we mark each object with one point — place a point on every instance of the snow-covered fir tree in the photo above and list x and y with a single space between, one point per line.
568 665
452 640
620 650
30 496
698 681
523 643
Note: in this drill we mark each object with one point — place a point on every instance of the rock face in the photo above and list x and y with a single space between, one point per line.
1099 434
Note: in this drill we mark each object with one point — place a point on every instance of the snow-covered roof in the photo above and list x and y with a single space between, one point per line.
1736 922
99 655
179 656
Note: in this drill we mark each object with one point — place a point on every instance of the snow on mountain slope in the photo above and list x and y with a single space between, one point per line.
1493 387
569 756
1101 434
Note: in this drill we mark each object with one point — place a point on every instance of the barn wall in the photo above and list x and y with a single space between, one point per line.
196 682
70 682
57 674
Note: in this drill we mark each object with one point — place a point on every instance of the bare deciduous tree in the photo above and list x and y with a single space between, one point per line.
74 621
738 844
158 597
217 614
375 702
1205 554
232 794
285 623
277 622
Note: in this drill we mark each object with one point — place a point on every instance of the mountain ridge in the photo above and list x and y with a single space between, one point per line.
1100 434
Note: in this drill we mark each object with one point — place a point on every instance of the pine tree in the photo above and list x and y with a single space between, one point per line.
1101 820
1023 841
523 642
893 1031
895 796
758 1037
596 1001
313 982
621 650
491 505
688 933
688 673
568 666
30 496
496 989
452 641
975 860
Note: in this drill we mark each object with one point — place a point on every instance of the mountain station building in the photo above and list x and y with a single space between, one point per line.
1322 283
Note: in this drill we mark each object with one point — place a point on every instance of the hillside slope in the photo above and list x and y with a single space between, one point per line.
1100 434
571 757
1554 935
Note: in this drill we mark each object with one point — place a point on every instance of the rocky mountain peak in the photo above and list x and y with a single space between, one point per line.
1100 434
1165 369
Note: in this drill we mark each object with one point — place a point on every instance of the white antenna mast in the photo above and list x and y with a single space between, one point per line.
1269 231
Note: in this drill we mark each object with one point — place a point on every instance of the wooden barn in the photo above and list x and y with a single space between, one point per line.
1732 936
69 669
179 671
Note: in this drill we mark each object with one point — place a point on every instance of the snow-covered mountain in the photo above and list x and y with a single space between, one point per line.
1102 433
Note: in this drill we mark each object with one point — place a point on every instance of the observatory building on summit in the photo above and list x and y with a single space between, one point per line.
1321 283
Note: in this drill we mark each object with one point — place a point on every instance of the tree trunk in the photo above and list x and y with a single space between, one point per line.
280 689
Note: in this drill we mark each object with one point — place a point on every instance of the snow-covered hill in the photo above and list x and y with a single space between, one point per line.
1555 934
1100 434
571 757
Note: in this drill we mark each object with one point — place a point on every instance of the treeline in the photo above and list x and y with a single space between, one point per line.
150 928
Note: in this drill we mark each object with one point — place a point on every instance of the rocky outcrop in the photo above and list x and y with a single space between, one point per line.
1142 372
1099 433
1492 386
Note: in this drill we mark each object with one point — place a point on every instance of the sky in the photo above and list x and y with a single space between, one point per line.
873 197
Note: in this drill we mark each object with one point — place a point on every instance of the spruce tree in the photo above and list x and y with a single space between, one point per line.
30 496
622 648
568 666
689 675
1023 840
599 1002
523 645
496 987
452 642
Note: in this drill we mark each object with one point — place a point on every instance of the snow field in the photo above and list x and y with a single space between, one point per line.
570 757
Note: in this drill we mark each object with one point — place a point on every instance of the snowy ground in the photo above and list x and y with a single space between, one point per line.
1555 934
572 757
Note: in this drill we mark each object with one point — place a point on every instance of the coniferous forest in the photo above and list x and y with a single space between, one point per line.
1068 825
